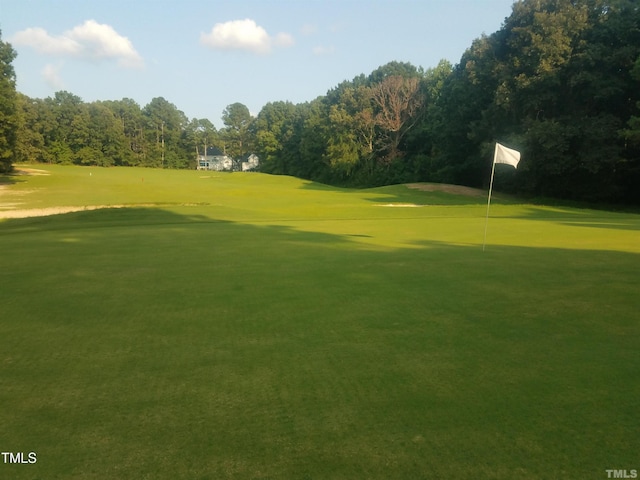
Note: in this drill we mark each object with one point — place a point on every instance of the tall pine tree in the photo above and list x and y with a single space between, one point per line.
8 108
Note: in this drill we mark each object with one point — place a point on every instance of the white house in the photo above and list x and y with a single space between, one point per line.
215 159
250 163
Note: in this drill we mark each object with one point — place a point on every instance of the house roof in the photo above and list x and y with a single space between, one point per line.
214 152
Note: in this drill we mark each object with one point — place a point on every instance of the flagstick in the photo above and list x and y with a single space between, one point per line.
486 222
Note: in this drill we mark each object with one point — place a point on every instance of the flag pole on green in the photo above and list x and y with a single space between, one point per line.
507 156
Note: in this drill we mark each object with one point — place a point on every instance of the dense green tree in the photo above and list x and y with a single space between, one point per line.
106 135
632 133
273 129
164 127
352 133
363 123
80 132
420 140
202 134
8 107
580 55
394 69
313 131
132 125
295 145
555 82
30 144
64 106
237 120
456 114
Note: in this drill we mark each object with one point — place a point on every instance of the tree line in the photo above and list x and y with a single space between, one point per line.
560 81
65 130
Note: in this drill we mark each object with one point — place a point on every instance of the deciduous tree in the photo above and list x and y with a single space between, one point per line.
164 128
399 103
237 119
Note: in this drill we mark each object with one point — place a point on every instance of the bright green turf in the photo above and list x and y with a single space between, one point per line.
251 326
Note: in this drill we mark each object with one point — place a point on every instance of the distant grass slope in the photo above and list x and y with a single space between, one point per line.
251 326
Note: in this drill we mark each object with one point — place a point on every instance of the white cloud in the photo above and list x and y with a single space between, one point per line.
42 42
91 40
243 35
51 75
102 41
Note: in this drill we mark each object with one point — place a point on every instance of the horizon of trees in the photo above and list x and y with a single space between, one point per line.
560 81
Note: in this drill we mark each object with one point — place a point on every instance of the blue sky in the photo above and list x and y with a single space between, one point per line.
203 55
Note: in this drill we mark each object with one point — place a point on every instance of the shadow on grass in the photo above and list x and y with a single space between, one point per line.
401 194
184 346
324 187
138 217
570 216
615 225
405 195
101 218
10 179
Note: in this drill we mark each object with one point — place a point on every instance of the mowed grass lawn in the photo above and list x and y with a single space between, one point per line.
245 326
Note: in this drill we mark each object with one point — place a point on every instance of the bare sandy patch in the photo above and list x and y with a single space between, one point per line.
30 171
44 212
400 205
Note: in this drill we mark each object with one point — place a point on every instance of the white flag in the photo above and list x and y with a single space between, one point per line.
506 155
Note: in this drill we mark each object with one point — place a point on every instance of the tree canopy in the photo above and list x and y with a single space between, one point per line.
8 106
